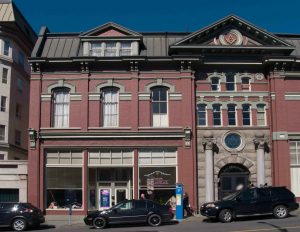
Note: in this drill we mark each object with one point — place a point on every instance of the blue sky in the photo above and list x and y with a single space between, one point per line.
275 16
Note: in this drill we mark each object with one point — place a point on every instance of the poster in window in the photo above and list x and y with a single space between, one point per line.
104 198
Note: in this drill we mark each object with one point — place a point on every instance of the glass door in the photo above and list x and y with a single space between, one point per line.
121 194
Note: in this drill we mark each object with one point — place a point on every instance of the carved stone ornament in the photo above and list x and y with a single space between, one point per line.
232 37
259 76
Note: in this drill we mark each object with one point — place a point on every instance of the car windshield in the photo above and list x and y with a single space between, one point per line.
231 196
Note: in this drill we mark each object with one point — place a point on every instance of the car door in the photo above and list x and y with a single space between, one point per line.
5 213
246 202
140 210
264 200
122 213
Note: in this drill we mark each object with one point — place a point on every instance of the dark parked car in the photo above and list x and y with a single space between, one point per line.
19 216
278 201
130 211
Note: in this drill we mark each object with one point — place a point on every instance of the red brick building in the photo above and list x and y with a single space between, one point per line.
115 113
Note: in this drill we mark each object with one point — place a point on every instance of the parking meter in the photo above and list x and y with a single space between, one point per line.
179 201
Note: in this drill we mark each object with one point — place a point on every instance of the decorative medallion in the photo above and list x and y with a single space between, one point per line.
232 37
259 76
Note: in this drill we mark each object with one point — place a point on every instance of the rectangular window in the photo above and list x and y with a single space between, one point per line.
295 166
18 137
6 48
125 49
110 157
2 132
2 156
110 49
110 106
159 107
9 195
230 82
215 84
261 115
4 75
231 115
246 115
61 100
201 110
18 110
217 115
96 49
245 84
3 104
64 187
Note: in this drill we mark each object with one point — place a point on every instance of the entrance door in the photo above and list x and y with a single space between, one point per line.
121 194
104 198
232 176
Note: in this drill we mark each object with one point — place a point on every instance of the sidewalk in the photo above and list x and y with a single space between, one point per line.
63 220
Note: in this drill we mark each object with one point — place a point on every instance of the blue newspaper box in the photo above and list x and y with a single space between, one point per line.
179 201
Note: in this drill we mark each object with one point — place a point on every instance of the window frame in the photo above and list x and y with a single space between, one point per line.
2 132
18 137
3 103
246 86
160 119
248 112
108 119
230 83
55 104
230 112
217 112
203 112
218 85
263 113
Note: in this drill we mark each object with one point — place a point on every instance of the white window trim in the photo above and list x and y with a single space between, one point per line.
161 115
218 85
206 116
250 116
235 115
265 115
118 110
221 115
234 83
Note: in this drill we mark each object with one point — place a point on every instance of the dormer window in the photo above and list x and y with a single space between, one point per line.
111 49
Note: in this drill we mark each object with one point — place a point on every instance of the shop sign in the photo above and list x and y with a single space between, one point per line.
157 179
104 198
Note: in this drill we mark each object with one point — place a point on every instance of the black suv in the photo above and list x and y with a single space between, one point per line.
19 216
278 201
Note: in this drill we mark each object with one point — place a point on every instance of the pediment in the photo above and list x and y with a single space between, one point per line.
110 30
232 31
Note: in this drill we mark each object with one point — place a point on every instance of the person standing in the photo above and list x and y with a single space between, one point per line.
143 197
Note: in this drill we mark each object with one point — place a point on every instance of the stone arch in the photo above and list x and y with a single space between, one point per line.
221 76
110 83
234 159
62 84
159 82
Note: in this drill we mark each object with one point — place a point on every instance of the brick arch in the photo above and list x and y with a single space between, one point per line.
234 159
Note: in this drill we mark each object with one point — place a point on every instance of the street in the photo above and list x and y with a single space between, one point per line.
197 223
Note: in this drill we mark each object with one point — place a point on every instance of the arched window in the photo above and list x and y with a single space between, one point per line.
231 110
215 84
261 115
60 106
110 107
230 82
159 106
201 111
217 115
246 115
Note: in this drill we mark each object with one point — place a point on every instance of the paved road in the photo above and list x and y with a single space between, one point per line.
253 224
192 224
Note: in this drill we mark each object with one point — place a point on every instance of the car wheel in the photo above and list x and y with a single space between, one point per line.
280 211
225 215
19 224
154 220
99 223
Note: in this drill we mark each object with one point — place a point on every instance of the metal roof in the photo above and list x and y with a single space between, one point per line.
10 13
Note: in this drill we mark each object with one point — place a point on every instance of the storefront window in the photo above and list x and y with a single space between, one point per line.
157 183
64 187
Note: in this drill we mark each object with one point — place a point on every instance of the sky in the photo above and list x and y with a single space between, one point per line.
275 16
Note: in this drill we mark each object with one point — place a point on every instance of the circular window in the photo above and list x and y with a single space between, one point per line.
233 141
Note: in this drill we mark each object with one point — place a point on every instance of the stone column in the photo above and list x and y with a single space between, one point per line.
208 144
260 146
